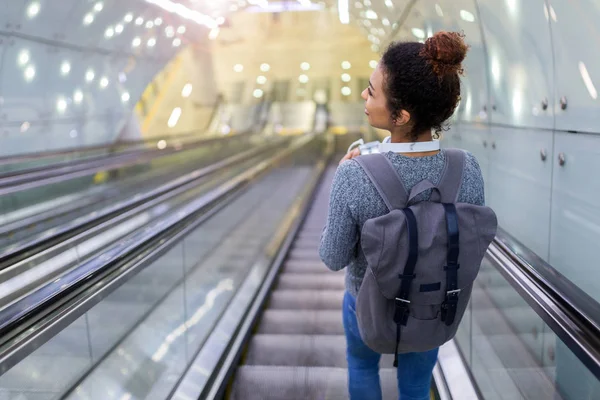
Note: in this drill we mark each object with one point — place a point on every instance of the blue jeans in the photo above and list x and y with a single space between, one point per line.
414 369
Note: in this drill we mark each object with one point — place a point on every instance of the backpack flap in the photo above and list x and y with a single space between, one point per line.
385 242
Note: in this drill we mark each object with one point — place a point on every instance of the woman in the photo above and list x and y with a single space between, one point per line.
412 92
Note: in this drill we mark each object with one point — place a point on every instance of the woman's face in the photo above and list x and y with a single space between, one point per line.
375 102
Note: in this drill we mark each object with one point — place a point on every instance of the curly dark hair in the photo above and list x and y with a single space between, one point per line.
423 79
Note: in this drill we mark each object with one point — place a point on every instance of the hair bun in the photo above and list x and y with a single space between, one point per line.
446 52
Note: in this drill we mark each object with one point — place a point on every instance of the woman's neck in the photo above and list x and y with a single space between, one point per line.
403 137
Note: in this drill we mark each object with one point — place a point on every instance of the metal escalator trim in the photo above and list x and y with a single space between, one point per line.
26 249
49 175
60 304
569 324
208 374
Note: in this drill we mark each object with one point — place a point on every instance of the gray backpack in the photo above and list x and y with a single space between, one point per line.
422 259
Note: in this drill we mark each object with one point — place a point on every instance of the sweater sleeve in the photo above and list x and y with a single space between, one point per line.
340 235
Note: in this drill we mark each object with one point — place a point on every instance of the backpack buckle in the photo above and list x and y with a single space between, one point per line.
401 311
449 306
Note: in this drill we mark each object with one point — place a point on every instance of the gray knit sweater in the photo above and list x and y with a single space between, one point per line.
354 199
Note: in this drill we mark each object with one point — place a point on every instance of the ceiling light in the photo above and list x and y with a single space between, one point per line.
65 68
439 11
88 19
238 67
213 34
303 78
346 91
264 67
158 21
149 24
261 80
136 42
104 82
78 96
187 90
389 3
257 93
385 22
346 77
176 42
418 33
169 31
25 126
161 144
373 64
128 17
305 66
185 12
89 75
151 42
23 57
33 9
139 20
181 30
125 97
343 11
467 16
109 32
174 118
29 73
346 65
61 105
371 14
98 6
119 28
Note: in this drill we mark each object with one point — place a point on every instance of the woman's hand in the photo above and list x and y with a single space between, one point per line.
353 153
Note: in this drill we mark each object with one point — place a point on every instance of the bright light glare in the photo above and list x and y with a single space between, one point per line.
343 11
109 32
99 6
587 80
88 19
176 42
119 28
187 90
467 16
125 97
174 118
162 144
33 9
373 64
23 57
78 96
151 42
136 42
128 17
264 67
238 67
261 80
303 78
257 93
346 77
346 65
305 66
29 73
104 82
61 105
418 33
89 75
65 68
185 12
346 91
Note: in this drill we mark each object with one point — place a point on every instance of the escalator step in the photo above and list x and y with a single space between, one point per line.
302 351
300 383
324 322
299 350
304 254
305 267
311 281
306 299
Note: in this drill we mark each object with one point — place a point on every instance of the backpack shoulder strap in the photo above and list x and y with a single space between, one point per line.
382 173
451 180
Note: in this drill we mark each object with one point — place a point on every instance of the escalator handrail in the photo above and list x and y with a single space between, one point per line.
121 143
26 249
55 296
564 307
60 172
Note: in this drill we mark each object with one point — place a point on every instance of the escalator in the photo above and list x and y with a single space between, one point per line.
230 301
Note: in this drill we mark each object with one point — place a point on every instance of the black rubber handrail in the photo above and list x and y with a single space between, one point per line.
26 249
55 305
568 311
60 172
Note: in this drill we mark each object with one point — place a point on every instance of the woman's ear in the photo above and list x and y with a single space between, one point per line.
403 118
